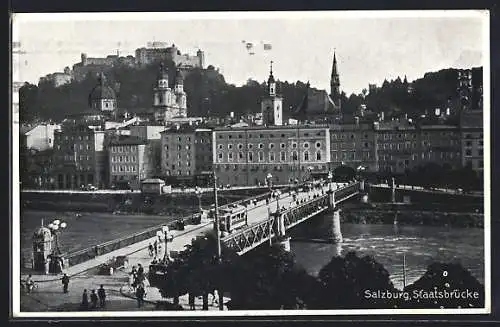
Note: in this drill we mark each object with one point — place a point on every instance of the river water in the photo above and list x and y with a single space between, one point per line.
387 243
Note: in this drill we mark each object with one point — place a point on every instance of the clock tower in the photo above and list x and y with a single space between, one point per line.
271 105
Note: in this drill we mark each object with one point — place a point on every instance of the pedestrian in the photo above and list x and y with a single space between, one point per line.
215 297
85 300
150 248
156 247
30 284
93 299
101 293
191 301
140 272
65 282
140 295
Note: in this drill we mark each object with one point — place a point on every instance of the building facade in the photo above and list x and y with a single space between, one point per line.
186 154
39 137
79 156
354 145
130 162
245 156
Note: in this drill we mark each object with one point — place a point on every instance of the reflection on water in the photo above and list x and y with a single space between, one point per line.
387 243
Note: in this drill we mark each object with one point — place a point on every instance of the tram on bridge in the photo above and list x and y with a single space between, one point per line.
232 217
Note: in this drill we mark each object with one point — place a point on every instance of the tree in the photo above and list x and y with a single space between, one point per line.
197 271
270 280
352 282
434 288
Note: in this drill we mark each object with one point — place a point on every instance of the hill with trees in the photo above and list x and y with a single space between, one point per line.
209 94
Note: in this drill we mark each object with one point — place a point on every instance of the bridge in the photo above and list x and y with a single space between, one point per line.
273 224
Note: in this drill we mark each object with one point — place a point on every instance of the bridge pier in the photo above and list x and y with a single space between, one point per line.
282 239
336 231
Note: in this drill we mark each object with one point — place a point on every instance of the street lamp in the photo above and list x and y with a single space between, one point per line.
56 227
167 237
197 191
269 182
330 177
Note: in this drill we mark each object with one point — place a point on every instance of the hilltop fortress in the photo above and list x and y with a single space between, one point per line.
154 52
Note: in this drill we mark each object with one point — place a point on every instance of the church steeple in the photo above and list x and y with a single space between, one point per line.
271 83
335 82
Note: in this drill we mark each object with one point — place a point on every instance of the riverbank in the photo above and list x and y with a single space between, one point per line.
410 216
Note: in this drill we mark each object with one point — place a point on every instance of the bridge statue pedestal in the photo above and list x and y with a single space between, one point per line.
284 242
336 231
282 239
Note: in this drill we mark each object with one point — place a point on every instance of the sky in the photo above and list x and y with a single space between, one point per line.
370 46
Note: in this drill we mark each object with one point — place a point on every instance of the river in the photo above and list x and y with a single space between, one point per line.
387 243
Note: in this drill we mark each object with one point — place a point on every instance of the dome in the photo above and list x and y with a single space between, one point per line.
102 90
43 232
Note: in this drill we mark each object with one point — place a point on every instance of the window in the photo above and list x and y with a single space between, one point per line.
318 145
261 156
318 155
179 147
240 146
468 143
250 156
261 146
271 145
179 138
282 145
220 146
219 157
230 146
283 156
240 155
240 136
295 157
306 145
230 156
250 145
271 156
294 145
366 144
188 147
468 152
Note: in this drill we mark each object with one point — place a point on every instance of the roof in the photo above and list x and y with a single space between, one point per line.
127 140
153 181
259 127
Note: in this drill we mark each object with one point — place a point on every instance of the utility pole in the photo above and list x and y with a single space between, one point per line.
216 213
404 270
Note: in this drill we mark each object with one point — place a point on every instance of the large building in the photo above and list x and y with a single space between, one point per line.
169 102
99 65
159 51
354 145
102 97
58 79
130 161
246 155
318 106
186 154
79 155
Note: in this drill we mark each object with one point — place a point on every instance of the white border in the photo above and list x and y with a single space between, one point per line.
24 17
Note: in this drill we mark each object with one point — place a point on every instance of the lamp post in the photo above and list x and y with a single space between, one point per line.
330 177
166 237
56 227
269 182
197 191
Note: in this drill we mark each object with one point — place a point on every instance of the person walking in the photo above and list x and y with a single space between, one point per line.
156 248
150 248
140 273
30 284
101 293
93 299
65 282
215 297
85 300
140 295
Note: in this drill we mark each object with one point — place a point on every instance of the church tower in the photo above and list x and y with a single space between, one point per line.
161 92
335 83
180 95
271 105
